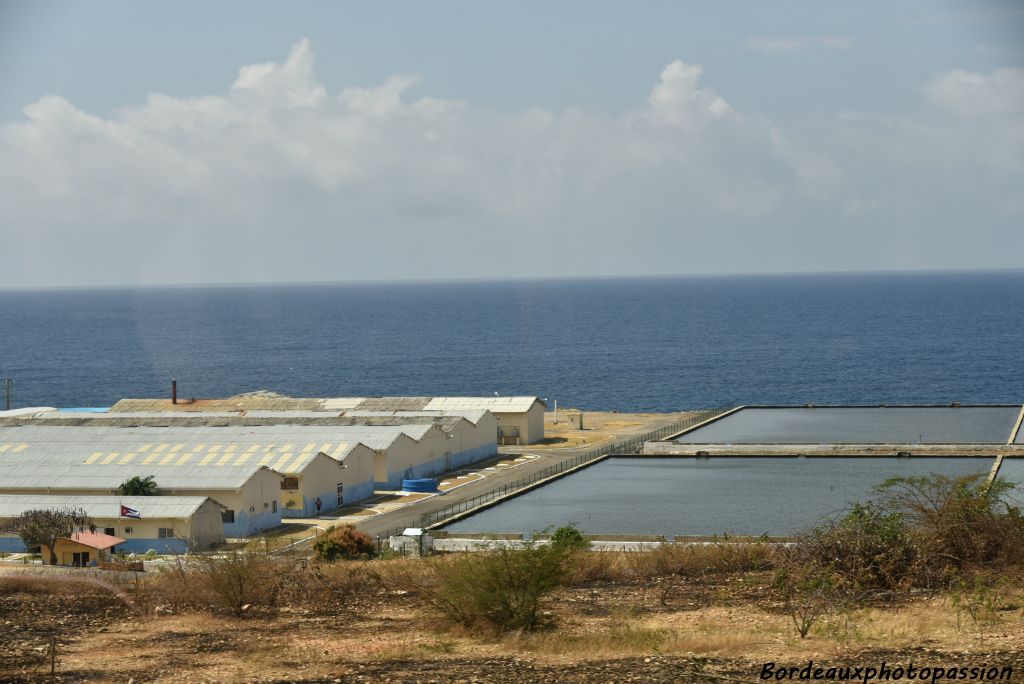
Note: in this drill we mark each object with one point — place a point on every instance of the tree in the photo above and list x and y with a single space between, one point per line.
43 527
138 486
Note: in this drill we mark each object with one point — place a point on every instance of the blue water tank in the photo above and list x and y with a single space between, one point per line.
422 484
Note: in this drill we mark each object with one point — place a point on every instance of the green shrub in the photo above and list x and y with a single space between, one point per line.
344 542
962 525
503 587
868 549
570 538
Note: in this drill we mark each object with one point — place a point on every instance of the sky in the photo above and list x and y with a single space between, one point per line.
239 142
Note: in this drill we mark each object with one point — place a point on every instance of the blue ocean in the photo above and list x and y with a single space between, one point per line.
648 344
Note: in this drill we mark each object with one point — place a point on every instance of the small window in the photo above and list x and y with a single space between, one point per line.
166 533
290 483
227 516
108 530
127 530
273 506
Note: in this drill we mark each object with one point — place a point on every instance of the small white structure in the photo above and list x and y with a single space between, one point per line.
414 541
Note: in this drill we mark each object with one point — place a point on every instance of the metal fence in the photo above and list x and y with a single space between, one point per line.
623 447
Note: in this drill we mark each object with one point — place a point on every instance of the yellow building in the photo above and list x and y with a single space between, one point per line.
165 524
82 549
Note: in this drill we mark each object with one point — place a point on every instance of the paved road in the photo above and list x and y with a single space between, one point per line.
410 515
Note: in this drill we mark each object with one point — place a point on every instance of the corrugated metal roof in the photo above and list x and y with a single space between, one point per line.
472 415
492 404
239 403
219 420
102 506
64 476
187 458
261 401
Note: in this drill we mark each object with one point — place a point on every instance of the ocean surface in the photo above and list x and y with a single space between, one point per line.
687 496
638 344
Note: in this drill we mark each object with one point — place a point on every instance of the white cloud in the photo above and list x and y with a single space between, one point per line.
677 99
970 94
278 179
783 45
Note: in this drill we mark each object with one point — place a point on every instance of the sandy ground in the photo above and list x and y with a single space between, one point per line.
665 630
598 427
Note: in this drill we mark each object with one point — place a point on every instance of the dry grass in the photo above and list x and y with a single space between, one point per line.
346 616
669 559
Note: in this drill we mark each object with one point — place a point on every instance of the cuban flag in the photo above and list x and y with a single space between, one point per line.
130 512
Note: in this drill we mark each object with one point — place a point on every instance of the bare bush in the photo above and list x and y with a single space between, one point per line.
238 579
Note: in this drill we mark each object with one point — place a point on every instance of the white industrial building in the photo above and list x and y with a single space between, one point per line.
520 418
250 470
167 524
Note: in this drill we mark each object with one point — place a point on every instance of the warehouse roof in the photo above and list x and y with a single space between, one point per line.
264 401
446 420
101 457
58 476
472 415
102 505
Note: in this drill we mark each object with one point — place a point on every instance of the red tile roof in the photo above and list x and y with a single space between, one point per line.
96 540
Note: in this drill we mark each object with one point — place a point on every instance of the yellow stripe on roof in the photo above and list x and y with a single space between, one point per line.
341 449
325 448
207 458
225 458
287 447
243 458
176 448
20 448
185 458
214 448
309 447
254 447
95 455
155 454
298 464
5 447
128 458
197 448
144 448
168 457
110 458
279 466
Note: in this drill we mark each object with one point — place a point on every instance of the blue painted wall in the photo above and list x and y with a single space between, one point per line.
139 546
459 460
12 544
247 523
464 458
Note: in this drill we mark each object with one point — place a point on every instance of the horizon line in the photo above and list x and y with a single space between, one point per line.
503 279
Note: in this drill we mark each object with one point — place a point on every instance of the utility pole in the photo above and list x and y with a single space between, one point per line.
8 391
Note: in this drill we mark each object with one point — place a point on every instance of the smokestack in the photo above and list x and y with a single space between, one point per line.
174 391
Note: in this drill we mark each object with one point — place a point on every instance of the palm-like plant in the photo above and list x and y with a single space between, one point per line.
138 486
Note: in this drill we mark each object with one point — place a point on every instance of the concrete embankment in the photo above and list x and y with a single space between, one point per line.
667 448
